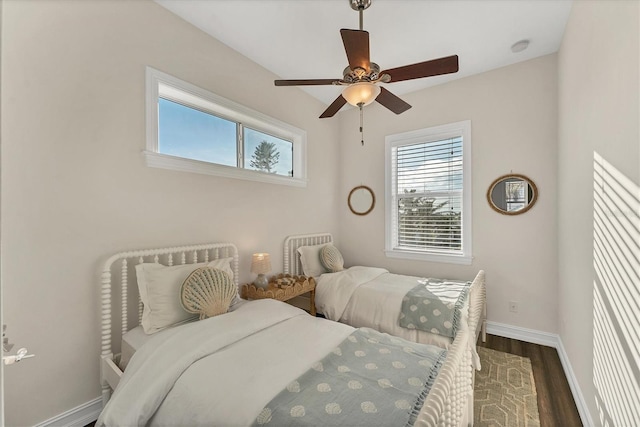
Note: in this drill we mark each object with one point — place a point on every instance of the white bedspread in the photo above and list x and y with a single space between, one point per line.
209 372
334 290
372 297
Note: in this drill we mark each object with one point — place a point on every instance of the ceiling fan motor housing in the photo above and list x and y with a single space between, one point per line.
360 4
360 74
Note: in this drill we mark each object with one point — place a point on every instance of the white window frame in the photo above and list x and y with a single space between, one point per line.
432 134
162 85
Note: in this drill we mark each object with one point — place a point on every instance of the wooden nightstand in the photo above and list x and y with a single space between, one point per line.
283 287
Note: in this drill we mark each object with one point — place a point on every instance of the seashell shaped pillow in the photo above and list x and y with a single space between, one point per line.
208 292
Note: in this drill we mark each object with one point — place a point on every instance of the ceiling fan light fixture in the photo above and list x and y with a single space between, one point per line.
362 93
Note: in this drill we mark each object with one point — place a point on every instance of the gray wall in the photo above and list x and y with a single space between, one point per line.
599 206
76 189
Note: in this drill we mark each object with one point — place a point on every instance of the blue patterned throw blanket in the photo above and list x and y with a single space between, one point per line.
434 306
370 379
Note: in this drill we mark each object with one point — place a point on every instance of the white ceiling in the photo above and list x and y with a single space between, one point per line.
300 39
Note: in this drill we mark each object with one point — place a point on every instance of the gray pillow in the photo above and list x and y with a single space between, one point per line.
331 258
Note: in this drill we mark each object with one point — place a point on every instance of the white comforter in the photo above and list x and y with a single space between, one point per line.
220 371
372 297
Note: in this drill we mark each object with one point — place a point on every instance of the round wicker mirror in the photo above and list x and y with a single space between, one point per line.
361 200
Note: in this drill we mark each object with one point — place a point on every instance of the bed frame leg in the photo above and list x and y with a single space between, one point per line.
470 409
484 331
106 394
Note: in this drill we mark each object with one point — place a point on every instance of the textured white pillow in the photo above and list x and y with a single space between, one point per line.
310 259
159 287
223 264
331 258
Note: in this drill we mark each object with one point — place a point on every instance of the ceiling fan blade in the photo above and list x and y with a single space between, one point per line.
356 45
334 107
435 67
308 82
392 102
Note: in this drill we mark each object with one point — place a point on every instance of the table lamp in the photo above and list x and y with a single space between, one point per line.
261 265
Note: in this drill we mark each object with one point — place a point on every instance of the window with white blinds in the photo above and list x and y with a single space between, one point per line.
428 194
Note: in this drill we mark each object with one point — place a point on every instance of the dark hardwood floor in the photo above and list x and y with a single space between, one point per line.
555 401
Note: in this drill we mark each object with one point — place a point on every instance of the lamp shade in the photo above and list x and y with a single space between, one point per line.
361 93
261 263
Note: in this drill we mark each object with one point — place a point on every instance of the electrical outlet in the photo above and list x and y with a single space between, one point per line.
513 306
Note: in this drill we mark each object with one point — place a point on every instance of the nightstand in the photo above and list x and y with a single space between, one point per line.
283 287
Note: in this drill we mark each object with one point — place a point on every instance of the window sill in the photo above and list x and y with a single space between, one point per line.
163 161
429 256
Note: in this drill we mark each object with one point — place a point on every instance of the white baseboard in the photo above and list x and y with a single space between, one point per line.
550 340
79 416
585 415
523 334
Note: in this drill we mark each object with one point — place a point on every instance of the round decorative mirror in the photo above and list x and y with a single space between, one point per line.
512 194
361 200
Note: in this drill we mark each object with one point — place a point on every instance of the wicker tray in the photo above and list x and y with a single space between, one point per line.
281 287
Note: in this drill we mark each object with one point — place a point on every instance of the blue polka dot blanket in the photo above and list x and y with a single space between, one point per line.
435 306
370 379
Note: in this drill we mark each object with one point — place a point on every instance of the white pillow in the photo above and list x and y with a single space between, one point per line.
310 259
223 264
159 287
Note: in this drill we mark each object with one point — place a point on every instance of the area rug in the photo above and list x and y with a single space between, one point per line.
505 392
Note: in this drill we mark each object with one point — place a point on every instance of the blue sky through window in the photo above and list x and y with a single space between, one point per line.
193 134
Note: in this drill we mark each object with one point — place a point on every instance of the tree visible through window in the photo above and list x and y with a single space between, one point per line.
267 153
265 157
425 222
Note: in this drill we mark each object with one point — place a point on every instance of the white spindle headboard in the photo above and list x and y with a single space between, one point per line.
120 268
292 263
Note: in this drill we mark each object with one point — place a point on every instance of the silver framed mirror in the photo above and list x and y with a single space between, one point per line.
512 194
361 200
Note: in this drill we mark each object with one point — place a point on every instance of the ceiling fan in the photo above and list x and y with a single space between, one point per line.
361 77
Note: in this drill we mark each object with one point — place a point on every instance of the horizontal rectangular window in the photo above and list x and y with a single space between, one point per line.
428 194
191 129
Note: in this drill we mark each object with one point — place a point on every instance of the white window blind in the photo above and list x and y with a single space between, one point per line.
429 195
428 208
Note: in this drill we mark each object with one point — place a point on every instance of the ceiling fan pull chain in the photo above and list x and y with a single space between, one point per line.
361 124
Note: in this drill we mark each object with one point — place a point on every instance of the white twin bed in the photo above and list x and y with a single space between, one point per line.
372 297
236 368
